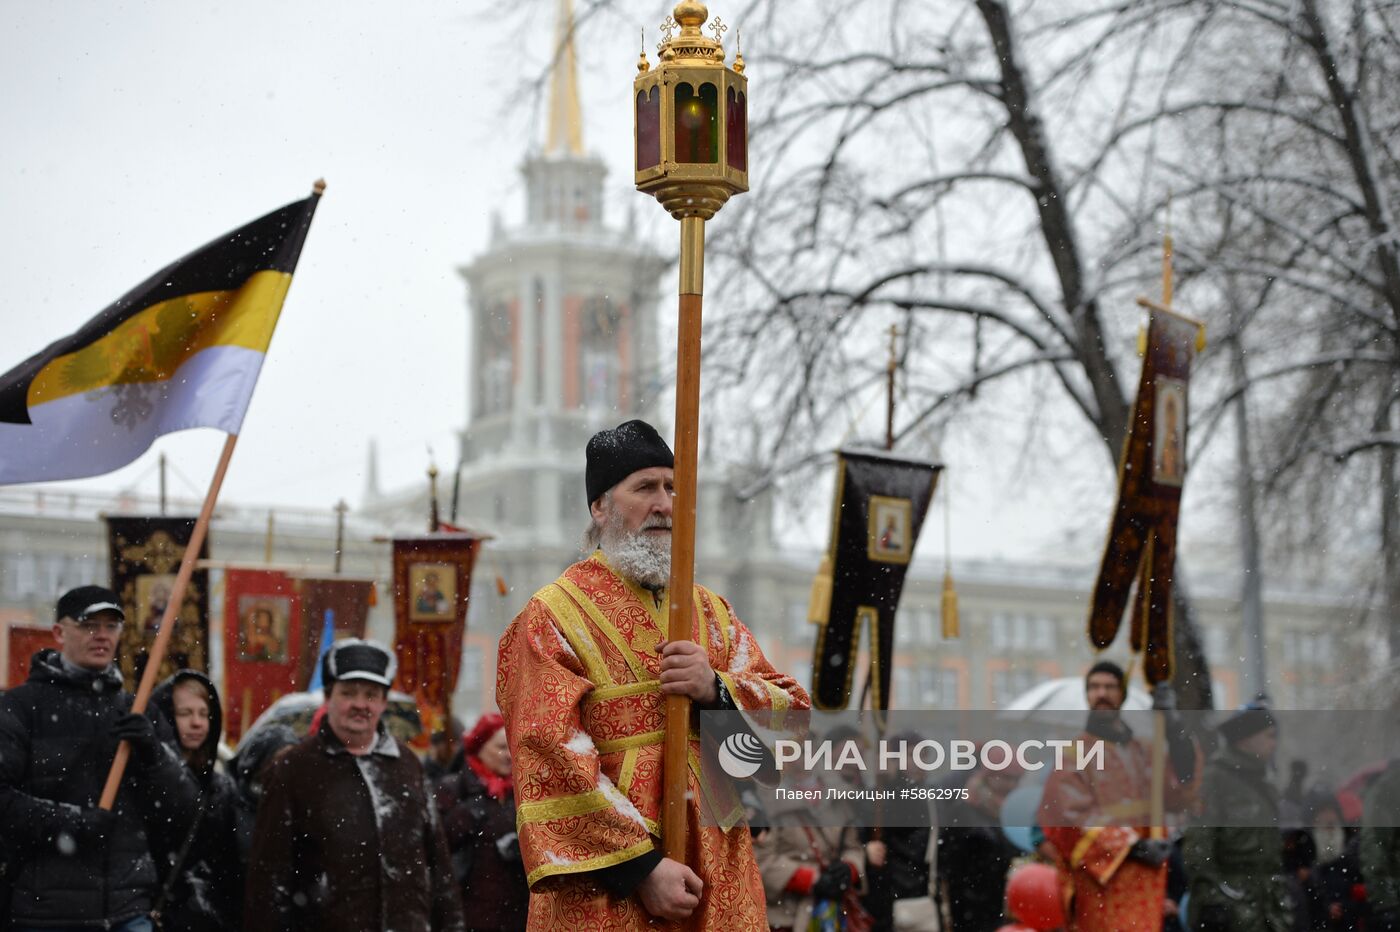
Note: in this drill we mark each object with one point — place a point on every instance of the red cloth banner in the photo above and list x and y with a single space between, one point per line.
432 585
262 643
24 642
347 599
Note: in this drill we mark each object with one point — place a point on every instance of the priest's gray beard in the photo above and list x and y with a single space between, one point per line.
641 557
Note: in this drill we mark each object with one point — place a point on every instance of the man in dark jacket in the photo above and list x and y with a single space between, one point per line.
1235 856
77 865
346 838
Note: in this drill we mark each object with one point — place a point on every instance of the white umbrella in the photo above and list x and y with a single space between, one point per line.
1062 700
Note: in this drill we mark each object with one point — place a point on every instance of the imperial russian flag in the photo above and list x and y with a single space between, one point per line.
183 349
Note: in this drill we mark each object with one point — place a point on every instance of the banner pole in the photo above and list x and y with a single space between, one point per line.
674 766
156 654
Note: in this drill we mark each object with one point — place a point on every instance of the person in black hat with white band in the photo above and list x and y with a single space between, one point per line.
346 836
76 866
582 675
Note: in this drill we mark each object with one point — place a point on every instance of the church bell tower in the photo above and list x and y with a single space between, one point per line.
563 339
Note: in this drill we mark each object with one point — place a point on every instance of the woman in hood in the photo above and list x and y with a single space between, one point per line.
477 803
202 880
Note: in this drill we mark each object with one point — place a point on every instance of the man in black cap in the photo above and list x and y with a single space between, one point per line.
582 676
77 865
1234 855
346 836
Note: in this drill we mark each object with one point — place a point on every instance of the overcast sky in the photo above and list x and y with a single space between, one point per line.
135 132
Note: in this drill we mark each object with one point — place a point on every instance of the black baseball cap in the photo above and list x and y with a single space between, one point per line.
82 603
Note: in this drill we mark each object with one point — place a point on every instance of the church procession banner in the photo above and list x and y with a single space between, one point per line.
881 501
1141 542
432 584
145 554
263 628
344 602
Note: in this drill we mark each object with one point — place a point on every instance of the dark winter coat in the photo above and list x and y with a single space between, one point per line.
206 886
1379 844
1235 857
347 843
55 750
973 861
1332 882
254 751
486 860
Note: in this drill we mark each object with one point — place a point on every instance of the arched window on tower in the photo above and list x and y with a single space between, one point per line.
600 368
494 362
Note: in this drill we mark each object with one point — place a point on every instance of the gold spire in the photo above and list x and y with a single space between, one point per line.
565 122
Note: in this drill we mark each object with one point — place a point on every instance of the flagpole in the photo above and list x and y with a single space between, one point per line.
156 655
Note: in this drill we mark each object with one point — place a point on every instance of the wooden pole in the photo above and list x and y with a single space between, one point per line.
890 369
434 523
167 622
675 760
340 509
1159 724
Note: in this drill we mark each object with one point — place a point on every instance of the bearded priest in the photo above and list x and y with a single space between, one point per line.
581 680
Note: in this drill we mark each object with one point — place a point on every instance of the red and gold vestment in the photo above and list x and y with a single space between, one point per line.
1093 817
577 682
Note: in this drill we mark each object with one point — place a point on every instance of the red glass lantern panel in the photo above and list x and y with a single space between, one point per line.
697 130
648 128
736 131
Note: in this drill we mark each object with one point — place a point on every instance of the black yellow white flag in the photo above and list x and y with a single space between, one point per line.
183 349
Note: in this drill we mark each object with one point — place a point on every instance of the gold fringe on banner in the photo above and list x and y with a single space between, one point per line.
951 629
819 606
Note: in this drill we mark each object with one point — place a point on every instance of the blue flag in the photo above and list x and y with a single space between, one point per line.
327 638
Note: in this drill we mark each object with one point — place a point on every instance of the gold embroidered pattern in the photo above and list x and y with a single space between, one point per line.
563 610
590 864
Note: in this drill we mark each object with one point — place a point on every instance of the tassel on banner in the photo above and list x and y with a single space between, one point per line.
819 605
951 629
502 589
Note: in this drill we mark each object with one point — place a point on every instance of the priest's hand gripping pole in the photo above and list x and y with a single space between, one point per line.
691 136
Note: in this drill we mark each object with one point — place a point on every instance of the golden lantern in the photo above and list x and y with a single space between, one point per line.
691 119
692 154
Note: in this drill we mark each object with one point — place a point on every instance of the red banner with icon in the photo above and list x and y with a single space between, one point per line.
344 602
432 587
263 640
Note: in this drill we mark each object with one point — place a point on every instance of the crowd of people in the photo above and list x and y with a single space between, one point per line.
546 815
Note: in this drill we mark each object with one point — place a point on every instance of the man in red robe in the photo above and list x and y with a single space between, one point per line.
582 675
1097 820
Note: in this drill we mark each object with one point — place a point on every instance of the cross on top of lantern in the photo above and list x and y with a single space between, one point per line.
691 126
